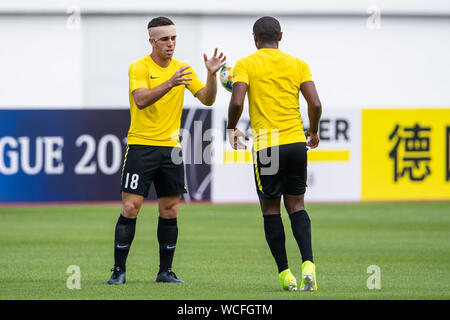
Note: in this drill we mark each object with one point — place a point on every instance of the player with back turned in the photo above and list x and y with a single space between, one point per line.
273 80
156 90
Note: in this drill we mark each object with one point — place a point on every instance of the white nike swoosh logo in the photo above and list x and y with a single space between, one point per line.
121 247
170 247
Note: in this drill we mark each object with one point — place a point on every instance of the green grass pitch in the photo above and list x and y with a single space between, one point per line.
222 252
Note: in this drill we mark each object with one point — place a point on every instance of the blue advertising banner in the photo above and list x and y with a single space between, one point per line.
77 155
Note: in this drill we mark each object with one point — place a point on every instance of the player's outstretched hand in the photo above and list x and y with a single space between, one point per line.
234 136
178 77
214 63
313 141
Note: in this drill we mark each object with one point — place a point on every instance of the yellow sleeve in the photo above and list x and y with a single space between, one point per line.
138 75
196 83
240 73
305 73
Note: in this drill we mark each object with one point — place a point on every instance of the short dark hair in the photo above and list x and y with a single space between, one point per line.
159 21
267 29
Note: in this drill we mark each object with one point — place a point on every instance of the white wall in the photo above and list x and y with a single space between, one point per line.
237 7
404 63
40 62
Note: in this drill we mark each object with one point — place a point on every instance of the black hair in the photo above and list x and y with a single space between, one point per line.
160 21
267 29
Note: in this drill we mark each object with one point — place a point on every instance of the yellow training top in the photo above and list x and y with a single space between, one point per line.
159 123
273 78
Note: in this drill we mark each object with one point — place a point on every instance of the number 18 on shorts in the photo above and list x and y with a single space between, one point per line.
144 165
132 181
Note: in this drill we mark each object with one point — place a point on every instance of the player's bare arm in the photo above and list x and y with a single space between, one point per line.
144 97
235 109
207 95
309 92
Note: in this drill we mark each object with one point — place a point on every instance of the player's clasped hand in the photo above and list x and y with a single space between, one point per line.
178 77
235 141
313 140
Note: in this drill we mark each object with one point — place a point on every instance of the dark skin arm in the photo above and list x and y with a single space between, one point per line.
309 92
235 109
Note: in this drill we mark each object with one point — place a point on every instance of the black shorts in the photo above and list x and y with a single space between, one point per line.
280 170
146 164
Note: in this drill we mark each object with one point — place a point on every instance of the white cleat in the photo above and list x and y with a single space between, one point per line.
309 282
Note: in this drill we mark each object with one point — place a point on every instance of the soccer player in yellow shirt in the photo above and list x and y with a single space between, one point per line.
273 81
156 91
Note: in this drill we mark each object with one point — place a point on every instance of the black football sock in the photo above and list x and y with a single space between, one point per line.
301 227
124 234
167 238
274 230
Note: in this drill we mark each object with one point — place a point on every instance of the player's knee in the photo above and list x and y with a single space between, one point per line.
168 207
294 208
294 203
168 210
169 213
130 209
270 206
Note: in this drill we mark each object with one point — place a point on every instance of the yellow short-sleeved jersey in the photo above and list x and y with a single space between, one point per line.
159 123
273 78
